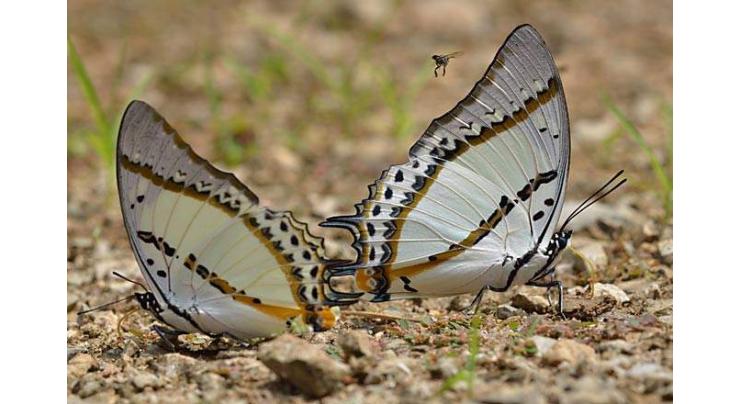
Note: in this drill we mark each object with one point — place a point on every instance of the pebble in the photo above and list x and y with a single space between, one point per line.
355 343
613 291
543 344
87 387
569 351
81 364
588 250
506 393
505 311
649 371
650 231
665 249
142 380
171 365
444 368
590 389
304 365
530 304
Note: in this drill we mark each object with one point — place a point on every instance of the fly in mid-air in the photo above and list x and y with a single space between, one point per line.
443 60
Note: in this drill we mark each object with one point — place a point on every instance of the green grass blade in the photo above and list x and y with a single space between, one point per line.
88 89
659 171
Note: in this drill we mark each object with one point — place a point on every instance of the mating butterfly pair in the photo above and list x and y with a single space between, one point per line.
475 208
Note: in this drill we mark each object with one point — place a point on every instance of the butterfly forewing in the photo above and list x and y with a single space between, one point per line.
483 186
205 245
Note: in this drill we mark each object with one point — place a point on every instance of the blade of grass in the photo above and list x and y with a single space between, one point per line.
658 170
467 374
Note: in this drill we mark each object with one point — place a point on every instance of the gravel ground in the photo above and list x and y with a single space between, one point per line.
615 345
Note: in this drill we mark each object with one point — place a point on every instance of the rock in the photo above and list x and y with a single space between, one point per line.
589 255
619 346
444 368
590 389
530 304
303 365
142 380
649 371
613 291
650 231
569 351
87 386
171 365
195 341
81 364
543 344
355 343
509 394
391 368
208 381
665 249
505 311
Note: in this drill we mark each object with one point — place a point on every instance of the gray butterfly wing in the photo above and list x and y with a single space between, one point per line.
205 244
485 183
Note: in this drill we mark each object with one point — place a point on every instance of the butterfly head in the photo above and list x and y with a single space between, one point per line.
559 242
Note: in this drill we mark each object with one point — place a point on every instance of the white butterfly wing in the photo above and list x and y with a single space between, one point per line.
208 251
484 185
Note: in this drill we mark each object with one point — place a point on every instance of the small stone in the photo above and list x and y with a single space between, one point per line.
304 365
613 291
172 365
208 381
569 351
530 304
195 342
650 231
87 388
588 255
355 343
142 380
665 249
618 345
508 393
81 364
444 368
505 311
649 371
590 389
543 344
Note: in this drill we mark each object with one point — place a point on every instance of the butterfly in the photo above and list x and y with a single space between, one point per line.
213 259
476 206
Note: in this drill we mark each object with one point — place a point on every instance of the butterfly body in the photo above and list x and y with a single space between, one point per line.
476 205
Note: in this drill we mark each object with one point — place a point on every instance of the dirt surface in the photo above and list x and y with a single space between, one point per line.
307 103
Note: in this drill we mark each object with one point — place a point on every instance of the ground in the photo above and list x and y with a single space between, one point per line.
307 103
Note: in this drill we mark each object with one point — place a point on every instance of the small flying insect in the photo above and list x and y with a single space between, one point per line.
443 60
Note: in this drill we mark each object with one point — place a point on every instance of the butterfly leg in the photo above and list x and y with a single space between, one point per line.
444 70
165 334
556 283
435 71
475 304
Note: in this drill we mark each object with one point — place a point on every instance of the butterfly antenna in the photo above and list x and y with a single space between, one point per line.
129 280
102 306
595 197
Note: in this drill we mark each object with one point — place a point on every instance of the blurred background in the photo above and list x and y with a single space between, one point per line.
308 101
